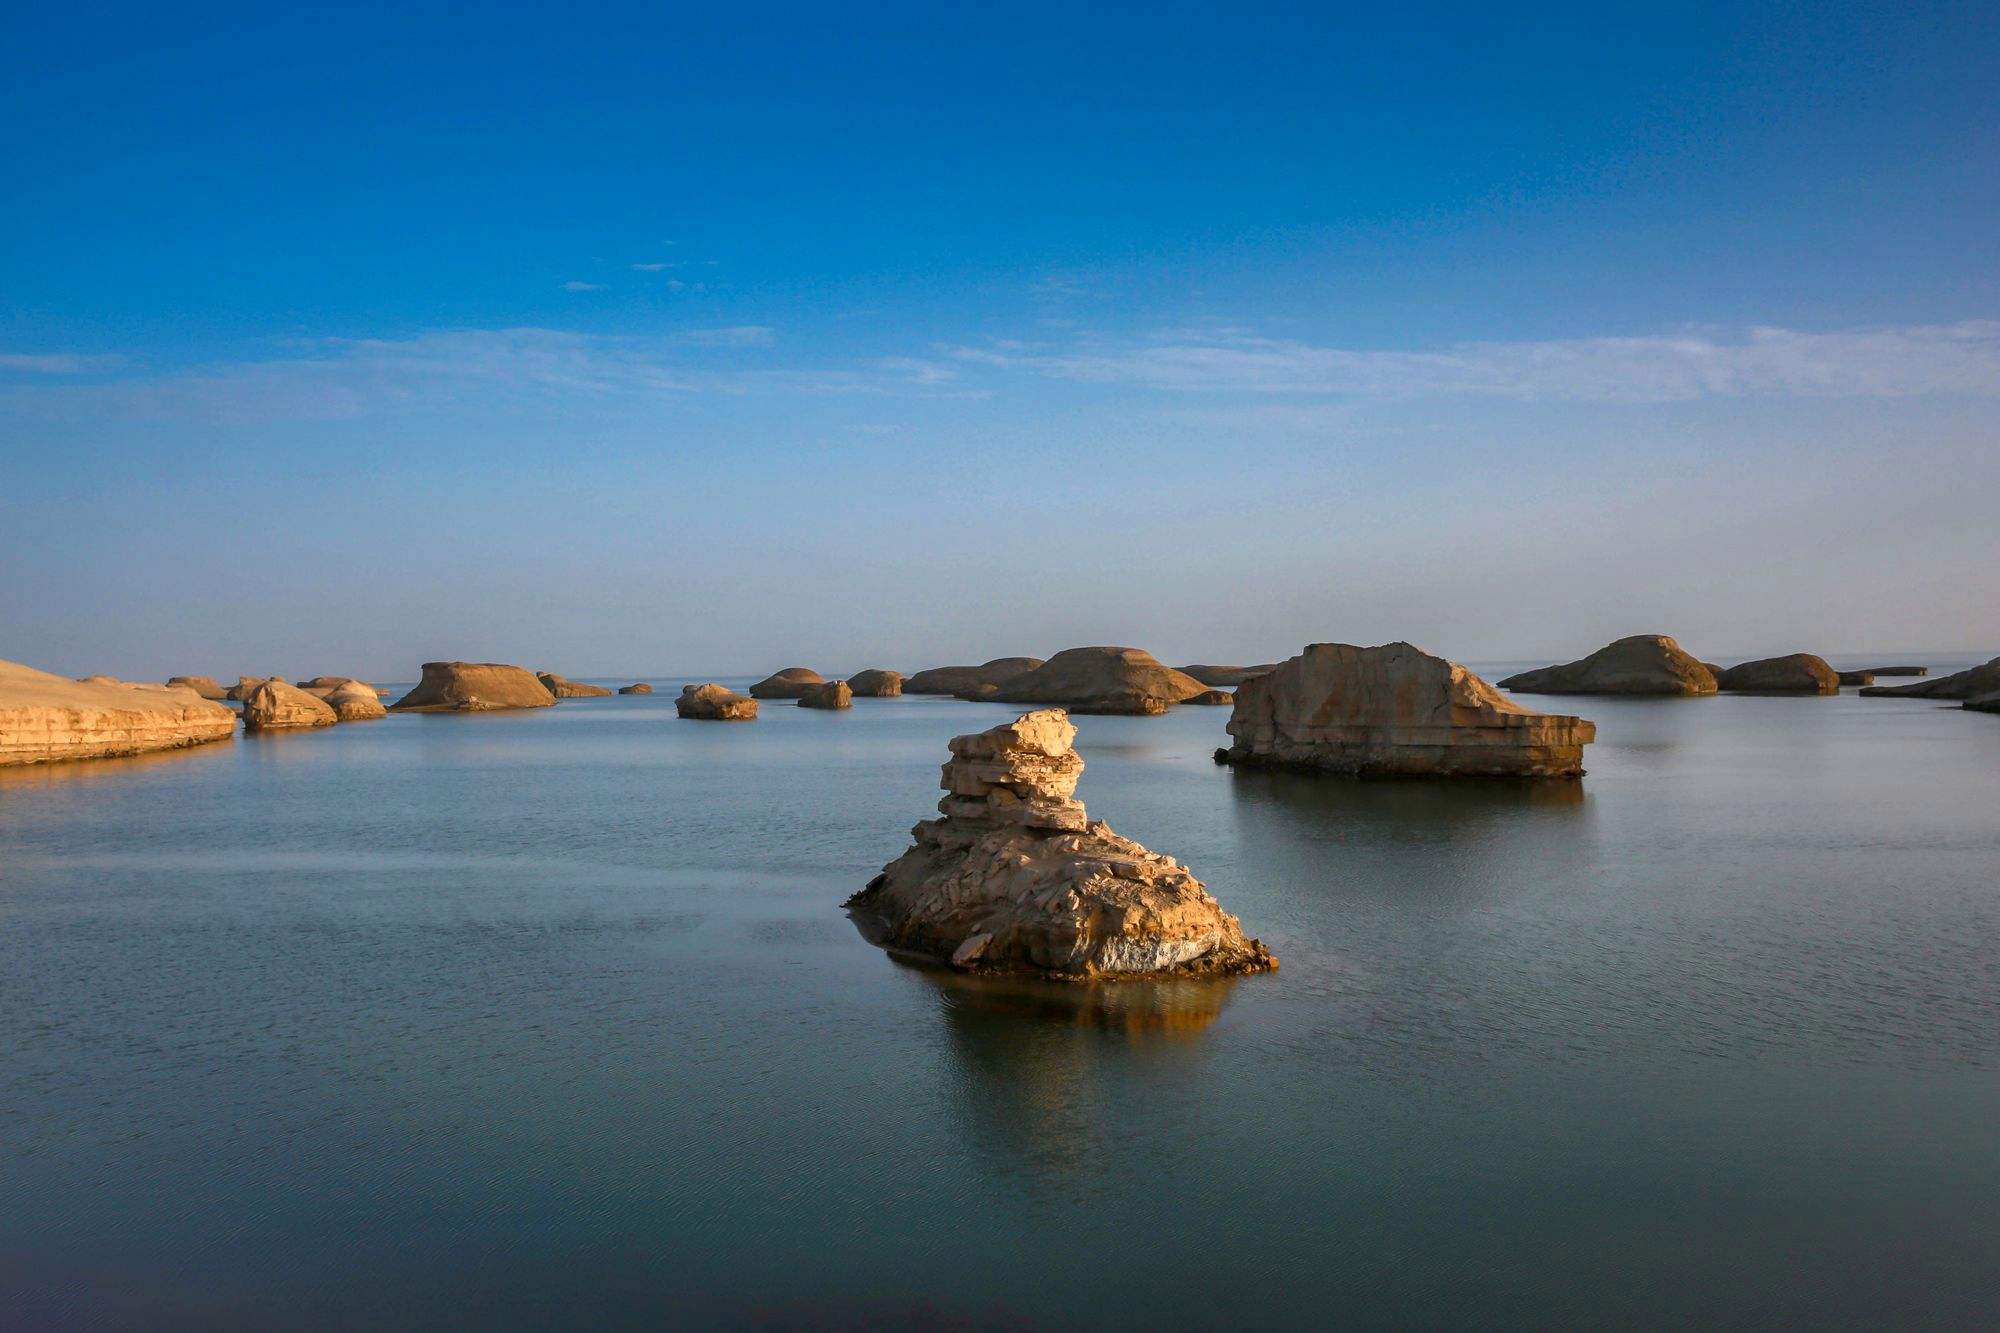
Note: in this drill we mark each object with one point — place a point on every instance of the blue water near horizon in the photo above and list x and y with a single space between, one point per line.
554 1016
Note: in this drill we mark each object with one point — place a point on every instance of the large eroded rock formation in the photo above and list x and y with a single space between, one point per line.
963 679
1640 664
1794 673
473 687
1016 878
44 718
1396 711
1102 680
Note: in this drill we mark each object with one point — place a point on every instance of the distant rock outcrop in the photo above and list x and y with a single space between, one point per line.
1102 680
714 703
277 705
640 688
876 683
356 701
45 718
787 684
1794 673
473 687
563 688
1899 671
1230 676
1212 698
832 694
1848 678
204 686
1396 711
960 679
322 687
1641 664
1969 686
1016 878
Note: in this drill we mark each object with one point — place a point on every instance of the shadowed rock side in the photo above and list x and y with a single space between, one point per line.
1794 673
1016 878
1102 680
356 701
963 679
1857 678
45 718
1230 676
204 686
714 703
473 687
1641 664
278 706
875 683
563 688
641 688
1973 687
833 694
790 683
1396 711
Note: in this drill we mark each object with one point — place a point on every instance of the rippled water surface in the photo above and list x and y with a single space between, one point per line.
555 1016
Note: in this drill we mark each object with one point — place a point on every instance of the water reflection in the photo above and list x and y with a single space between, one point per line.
192 758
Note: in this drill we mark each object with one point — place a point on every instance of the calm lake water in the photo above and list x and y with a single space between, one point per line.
555 1017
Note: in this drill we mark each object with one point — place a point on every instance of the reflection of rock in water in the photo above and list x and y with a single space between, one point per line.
1438 805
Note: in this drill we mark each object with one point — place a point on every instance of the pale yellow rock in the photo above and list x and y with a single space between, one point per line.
714 703
46 718
244 684
1102 680
356 701
473 687
1015 878
1396 710
277 705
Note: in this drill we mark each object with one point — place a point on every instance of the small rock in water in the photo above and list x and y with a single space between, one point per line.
714 703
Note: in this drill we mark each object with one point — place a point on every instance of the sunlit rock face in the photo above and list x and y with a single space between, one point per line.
962 679
473 687
830 695
876 683
1102 680
787 684
1396 711
1016 878
356 701
278 706
714 703
1638 664
46 718
562 687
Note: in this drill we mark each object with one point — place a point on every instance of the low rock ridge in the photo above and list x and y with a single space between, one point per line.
711 702
45 718
473 687
961 679
1016 878
1794 673
1395 711
563 688
1102 680
1975 687
1638 664
639 687
787 684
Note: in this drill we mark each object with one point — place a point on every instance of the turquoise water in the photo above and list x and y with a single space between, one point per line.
555 1016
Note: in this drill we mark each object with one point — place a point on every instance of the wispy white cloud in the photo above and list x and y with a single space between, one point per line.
739 335
61 363
653 268
1883 362
583 286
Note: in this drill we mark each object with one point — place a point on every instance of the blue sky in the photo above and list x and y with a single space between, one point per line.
674 340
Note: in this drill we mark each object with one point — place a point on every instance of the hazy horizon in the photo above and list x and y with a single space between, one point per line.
341 342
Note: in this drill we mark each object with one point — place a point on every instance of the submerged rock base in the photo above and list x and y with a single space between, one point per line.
1016 878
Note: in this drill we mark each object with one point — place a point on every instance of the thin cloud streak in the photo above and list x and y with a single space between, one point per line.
1887 362
61 363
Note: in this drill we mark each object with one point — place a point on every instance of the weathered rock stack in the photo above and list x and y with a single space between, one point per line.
279 706
1795 673
1016 878
563 688
787 684
714 703
833 694
44 718
1638 664
1396 711
473 687
875 683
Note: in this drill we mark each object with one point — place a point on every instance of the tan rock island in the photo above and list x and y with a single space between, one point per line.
787 684
1978 688
473 687
831 695
563 688
1640 664
639 687
1016 878
875 683
1795 673
1102 680
356 701
1395 711
714 703
277 705
964 679
45 718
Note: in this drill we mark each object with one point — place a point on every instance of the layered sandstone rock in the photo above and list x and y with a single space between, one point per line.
1641 664
832 694
714 703
278 706
563 688
1974 684
1794 673
1102 680
641 688
45 718
356 701
1016 878
1230 676
787 684
473 687
875 683
962 679
204 686
1396 711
